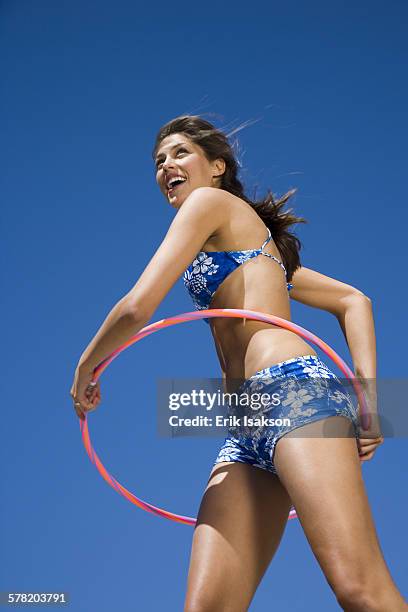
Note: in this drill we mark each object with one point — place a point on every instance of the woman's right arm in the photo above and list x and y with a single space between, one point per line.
200 216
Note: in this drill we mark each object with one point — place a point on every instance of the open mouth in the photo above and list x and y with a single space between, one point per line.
173 184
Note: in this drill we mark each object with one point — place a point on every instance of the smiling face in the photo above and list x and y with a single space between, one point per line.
181 167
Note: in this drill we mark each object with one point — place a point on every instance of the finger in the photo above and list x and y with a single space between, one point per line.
90 409
96 396
366 441
91 391
369 449
91 405
79 412
370 435
97 399
366 445
367 457
80 405
365 435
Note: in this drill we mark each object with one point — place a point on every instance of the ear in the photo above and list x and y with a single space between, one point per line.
219 167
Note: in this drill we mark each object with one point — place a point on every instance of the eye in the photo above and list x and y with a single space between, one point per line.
159 162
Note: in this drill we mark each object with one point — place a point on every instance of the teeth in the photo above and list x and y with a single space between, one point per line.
175 179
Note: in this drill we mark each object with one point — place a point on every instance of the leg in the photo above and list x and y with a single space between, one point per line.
240 523
323 477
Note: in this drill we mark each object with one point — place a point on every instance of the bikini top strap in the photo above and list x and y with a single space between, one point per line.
268 254
269 238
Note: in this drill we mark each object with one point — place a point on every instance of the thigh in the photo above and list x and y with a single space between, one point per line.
240 523
324 479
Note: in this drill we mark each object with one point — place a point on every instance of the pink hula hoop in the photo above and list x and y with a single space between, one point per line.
190 316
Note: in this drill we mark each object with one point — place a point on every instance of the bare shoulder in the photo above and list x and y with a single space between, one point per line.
200 216
240 226
210 207
211 198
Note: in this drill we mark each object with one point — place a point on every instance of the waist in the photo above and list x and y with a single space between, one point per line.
262 349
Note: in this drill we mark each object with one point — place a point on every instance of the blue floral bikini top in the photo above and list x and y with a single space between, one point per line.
209 269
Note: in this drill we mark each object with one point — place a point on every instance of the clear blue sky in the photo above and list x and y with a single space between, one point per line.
86 86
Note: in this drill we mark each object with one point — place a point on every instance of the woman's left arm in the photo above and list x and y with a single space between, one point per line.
353 310
351 307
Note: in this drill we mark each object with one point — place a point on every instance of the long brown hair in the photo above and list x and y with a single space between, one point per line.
215 145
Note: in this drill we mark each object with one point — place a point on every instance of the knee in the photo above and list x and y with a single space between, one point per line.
357 597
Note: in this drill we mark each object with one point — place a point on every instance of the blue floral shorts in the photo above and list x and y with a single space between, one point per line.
302 390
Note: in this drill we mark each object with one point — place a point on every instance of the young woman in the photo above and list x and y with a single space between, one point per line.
236 253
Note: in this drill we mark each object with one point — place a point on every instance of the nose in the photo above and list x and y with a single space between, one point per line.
167 165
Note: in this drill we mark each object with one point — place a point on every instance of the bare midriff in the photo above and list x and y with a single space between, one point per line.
256 346
244 347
